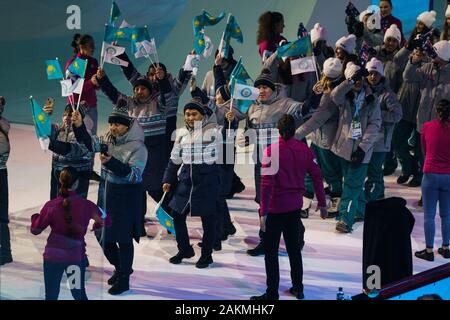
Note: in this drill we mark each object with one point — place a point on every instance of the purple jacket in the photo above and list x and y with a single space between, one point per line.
282 191
61 246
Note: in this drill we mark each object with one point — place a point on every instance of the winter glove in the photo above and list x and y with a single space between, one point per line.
358 157
361 73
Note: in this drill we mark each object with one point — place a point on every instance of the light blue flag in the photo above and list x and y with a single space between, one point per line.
53 70
115 34
232 30
240 75
115 14
205 19
78 67
302 46
165 219
41 120
138 35
199 43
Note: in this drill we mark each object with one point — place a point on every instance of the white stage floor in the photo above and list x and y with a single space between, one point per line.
330 260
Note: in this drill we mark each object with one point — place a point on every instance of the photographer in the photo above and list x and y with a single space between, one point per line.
5 242
123 156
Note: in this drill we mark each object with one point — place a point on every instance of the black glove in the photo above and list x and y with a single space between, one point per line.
358 156
413 44
361 73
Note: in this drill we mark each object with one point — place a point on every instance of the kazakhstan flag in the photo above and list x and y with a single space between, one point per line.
115 14
138 35
240 75
199 43
53 70
205 19
299 47
41 120
78 67
232 30
114 34
165 219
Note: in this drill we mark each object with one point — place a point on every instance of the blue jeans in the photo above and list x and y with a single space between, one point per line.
53 272
436 188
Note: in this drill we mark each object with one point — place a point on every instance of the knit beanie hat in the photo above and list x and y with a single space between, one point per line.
442 49
318 33
332 68
347 43
120 113
393 32
224 92
265 79
195 104
351 69
82 108
375 65
143 82
447 12
427 17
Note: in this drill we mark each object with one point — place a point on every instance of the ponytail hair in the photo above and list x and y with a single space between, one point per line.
67 178
80 40
286 127
443 112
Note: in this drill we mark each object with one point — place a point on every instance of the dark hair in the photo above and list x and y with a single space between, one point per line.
80 40
286 126
67 178
443 112
155 65
267 22
432 296
390 2
445 30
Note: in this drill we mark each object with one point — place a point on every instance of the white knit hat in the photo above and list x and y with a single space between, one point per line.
347 43
447 12
427 17
393 32
332 68
350 70
375 65
443 49
318 33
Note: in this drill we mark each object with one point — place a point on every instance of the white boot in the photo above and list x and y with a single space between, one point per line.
334 207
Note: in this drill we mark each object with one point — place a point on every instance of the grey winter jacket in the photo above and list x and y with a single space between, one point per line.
434 86
209 82
391 113
4 142
301 88
370 118
323 124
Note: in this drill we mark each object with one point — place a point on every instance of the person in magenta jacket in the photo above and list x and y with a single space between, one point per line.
284 167
435 140
270 28
68 216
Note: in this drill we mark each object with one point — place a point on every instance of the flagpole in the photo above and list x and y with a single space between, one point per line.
72 104
84 74
231 108
315 67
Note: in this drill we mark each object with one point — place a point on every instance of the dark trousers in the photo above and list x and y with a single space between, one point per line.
53 272
410 164
5 241
171 126
224 218
120 255
182 234
292 228
83 184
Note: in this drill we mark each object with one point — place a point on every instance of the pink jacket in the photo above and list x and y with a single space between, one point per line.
283 191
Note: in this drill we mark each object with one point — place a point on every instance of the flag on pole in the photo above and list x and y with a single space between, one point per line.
54 70
138 35
41 120
115 14
199 43
113 34
232 30
209 47
165 219
145 48
78 67
77 86
239 75
65 88
364 53
205 19
192 61
110 53
125 24
302 46
303 65
245 92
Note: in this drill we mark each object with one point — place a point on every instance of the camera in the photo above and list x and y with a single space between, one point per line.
104 148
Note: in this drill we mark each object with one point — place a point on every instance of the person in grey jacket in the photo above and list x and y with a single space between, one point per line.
391 113
123 156
323 127
358 130
5 147
262 119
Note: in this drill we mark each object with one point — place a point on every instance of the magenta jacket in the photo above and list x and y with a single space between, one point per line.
89 95
435 140
283 191
62 247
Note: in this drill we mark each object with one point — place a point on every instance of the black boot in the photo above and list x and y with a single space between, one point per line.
121 285
217 245
204 261
257 251
182 254
5 243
